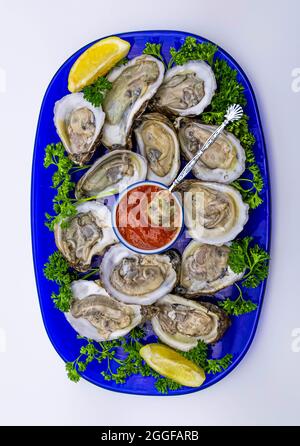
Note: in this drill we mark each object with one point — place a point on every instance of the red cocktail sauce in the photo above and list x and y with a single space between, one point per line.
134 224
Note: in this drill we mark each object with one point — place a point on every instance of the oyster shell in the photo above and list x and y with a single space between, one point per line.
223 161
138 278
186 90
133 85
88 233
181 323
112 172
78 124
158 143
213 213
205 269
96 315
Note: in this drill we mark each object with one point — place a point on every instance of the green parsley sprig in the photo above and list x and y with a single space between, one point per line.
119 369
89 353
61 180
197 355
229 92
58 270
254 261
164 385
95 93
238 306
218 365
191 50
154 49
255 184
64 205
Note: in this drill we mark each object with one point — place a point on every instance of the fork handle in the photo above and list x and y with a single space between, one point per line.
200 152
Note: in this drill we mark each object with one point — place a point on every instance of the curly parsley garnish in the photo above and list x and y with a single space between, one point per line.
238 306
154 49
89 353
191 50
218 365
255 184
253 260
229 91
198 354
164 385
61 180
95 93
58 270
64 205
119 369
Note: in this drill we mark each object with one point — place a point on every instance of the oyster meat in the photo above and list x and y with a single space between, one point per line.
138 278
213 213
96 315
78 124
186 90
133 85
223 161
87 234
112 173
158 143
205 269
181 323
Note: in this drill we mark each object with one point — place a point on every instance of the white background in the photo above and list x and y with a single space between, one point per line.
35 39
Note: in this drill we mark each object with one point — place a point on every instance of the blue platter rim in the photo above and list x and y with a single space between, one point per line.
34 214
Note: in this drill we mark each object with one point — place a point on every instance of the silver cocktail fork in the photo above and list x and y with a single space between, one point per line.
233 113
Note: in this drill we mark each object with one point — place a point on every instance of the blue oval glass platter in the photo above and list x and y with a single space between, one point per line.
238 338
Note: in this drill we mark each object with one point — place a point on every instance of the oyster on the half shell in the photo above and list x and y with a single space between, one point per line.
86 235
205 269
133 85
213 213
78 124
158 143
223 161
181 323
95 315
137 278
186 90
112 173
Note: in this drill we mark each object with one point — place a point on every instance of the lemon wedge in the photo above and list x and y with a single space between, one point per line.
169 363
96 61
